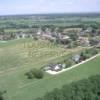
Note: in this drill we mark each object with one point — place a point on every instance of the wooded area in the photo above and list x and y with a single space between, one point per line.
86 89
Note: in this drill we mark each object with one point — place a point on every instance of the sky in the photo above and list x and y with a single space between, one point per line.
8 7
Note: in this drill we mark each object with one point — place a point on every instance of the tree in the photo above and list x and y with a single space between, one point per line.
12 35
37 73
73 36
1 96
82 56
68 63
35 36
29 75
2 32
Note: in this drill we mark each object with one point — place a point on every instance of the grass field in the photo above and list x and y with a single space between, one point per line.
19 56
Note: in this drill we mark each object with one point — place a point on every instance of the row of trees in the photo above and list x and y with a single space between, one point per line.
86 89
7 36
82 56
36 24
88 53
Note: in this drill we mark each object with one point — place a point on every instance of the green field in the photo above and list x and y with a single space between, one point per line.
19 56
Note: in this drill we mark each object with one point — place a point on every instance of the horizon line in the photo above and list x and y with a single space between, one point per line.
51 13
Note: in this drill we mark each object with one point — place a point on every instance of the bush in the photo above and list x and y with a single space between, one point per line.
29 75
1 96
68 63
94 52
83 56
88 53
35 73
38 73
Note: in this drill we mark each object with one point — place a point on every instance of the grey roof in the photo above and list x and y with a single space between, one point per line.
76 57
98 45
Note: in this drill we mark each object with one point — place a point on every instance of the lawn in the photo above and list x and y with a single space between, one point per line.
19 56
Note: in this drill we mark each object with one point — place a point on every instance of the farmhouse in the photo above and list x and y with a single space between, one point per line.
64 37
76 58
84 41
55 67
89 30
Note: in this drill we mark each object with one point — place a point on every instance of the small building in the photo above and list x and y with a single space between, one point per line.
39 32
55 67
76 58
21 35
6 37
84 41
82 33
64 37
98 45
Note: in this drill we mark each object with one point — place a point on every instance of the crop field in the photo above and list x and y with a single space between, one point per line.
19 56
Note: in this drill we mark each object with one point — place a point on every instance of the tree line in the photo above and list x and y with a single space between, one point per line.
86 89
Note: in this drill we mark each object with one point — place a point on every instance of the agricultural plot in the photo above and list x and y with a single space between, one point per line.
25 52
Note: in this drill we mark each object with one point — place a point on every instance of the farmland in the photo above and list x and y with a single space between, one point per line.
19 56
49 39
28 23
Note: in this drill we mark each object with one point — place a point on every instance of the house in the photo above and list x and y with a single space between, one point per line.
64 37
84 41
61 36
39 32
1 37
98 45
89 30
55 67
82 33
5 37
51 36
76 58
23 35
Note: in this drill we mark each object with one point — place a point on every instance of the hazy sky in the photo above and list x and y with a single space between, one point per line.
48 6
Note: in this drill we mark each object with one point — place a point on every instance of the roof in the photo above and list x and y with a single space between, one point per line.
65 37
76 57
55 66
98 45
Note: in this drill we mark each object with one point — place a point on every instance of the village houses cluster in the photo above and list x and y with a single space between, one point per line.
82 37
